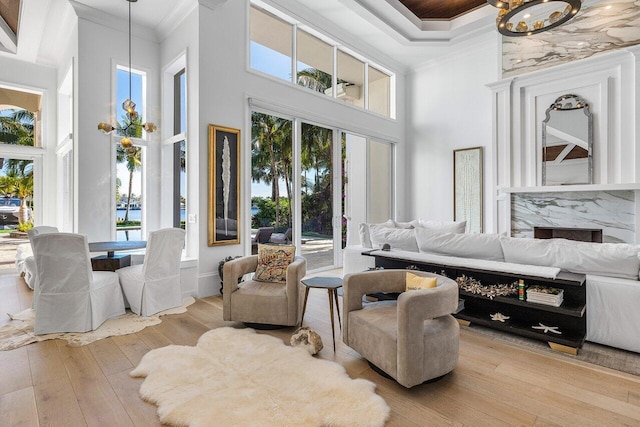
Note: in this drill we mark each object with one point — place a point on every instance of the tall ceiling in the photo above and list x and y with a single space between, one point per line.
401 33
440 9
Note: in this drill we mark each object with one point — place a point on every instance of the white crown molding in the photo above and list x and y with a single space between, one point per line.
103 18
212 4
481 39
174 18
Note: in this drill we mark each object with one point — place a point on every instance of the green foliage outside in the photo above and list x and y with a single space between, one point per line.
17 128
267 213
130 223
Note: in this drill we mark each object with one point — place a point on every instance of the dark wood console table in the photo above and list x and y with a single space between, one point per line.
525 318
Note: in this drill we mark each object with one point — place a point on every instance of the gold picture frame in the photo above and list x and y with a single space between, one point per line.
467 188
224 186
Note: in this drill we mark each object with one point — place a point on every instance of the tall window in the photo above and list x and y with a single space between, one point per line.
19 123
271 172
272 37
129 197
179 149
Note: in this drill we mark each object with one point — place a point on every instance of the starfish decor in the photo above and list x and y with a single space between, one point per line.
547 329
499 317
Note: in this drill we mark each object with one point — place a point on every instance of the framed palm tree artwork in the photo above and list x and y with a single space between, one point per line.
224 186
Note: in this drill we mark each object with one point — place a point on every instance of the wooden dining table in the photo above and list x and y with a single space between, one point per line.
112 261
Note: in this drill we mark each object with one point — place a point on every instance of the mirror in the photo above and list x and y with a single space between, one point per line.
567 139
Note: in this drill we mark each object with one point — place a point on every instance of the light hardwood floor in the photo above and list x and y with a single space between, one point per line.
495 383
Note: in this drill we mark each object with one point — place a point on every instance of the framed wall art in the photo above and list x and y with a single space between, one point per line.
467 187
224 186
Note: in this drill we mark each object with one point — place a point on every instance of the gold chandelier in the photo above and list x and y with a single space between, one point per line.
524 18
131 125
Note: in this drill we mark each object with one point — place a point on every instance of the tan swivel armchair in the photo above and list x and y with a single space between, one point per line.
262 302
413 339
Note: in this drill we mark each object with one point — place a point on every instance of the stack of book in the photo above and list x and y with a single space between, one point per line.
545 295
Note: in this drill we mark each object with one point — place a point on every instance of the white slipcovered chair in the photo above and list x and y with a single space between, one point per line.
25 263
31 273
155 285
71 297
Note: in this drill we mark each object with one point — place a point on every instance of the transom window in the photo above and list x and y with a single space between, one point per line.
318 63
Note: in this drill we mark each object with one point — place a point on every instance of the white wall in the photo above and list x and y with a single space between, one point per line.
449 107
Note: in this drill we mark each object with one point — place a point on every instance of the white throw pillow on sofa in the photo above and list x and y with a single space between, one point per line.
603 259
365 236
479 246
529 251
398 238
440 226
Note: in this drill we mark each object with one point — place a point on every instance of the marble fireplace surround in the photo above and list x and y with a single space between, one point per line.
613 211
610 83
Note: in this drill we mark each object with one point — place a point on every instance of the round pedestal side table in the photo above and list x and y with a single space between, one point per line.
331 284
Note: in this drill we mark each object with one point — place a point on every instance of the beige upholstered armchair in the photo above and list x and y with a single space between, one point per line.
413 339
262 302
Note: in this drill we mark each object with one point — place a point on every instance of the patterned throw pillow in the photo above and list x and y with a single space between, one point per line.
415 282
273 261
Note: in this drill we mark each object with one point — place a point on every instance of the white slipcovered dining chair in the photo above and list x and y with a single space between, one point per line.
72 297
155 285
30 271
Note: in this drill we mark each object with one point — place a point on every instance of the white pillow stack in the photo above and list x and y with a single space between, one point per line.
478 246
364 229
403 239
603 259
401 235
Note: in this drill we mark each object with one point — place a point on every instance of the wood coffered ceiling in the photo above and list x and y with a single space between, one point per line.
9 11
441 9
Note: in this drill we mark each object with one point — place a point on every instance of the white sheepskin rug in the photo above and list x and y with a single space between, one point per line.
236 377
20 332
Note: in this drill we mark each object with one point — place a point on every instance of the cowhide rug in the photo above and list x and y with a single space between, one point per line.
19 331
236 377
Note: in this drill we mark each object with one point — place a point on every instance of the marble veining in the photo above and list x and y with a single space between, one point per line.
598 27
613 211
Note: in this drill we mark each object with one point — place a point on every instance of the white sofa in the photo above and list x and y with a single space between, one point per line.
611 269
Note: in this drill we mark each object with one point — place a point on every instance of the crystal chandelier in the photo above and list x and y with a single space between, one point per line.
131 126
524 18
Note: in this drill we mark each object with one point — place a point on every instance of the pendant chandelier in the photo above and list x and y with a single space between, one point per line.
527 17
131 125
